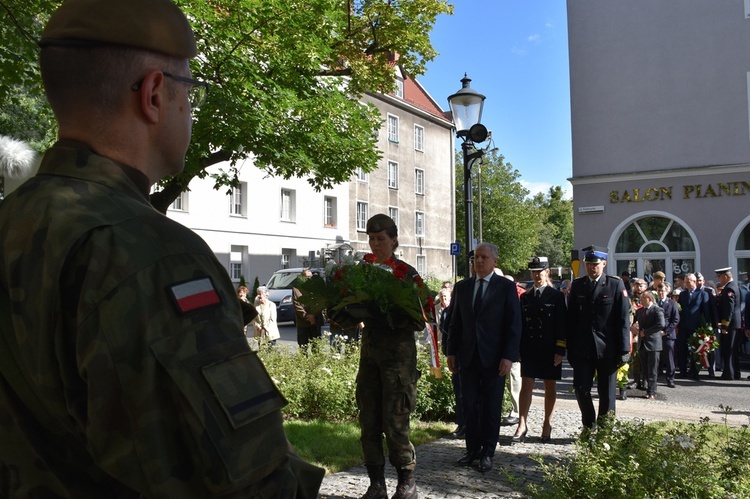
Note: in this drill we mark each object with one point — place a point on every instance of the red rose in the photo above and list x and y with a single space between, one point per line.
369 258
419 281
338 275
399 274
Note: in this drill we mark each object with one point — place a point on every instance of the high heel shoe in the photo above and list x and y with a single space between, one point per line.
519 437
548 437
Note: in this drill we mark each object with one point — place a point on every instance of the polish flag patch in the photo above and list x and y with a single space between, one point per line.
195 294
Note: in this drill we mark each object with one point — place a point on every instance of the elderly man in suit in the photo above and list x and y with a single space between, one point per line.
485 332
650 323
694 311
598 334
671 320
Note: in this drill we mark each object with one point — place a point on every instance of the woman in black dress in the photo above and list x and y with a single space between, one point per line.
542 345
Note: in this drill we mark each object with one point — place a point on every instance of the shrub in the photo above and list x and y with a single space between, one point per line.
320 384
626 459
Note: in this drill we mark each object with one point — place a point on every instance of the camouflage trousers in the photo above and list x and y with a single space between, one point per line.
386 396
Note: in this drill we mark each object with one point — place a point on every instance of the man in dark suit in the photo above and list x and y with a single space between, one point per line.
671 319
729 322
694 311
485 332
598 334
650 321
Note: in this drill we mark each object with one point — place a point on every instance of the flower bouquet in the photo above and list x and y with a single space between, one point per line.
702 342
359 290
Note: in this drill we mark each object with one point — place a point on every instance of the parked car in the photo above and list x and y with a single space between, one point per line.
280 291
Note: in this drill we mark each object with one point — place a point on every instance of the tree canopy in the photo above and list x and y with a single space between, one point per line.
509 218
556 238
285 76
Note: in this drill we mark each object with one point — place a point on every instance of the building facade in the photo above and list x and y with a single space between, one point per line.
271 223
660 109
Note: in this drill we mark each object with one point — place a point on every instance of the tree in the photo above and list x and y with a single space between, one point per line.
556 239
509 219
285 76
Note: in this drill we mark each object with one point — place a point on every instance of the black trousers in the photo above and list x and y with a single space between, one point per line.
583 382
482 394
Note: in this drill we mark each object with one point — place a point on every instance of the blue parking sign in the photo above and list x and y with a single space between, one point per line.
455 248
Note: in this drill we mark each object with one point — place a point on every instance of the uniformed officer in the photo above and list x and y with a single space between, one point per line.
124 371
542 344
729 322
598 338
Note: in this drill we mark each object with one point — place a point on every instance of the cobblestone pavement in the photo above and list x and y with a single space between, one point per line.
514 465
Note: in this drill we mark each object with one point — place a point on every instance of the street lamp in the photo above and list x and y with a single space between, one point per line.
466 107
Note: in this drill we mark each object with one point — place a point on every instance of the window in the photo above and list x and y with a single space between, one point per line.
419 181
361 175
392 175
421 264
288 208
180 203
329 211
392 128
362 215
419 224
235 262
237 198
418 138
393 213
286 257
399 91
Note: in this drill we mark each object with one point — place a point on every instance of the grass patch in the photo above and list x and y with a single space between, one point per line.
336 447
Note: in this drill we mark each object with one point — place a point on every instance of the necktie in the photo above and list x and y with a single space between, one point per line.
479 295
538 293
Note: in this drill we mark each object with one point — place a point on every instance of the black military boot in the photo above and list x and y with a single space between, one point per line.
377 489
407 485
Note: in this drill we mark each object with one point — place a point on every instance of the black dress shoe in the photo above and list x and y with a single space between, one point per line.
670 384
460 432
509 421
468 458
485 463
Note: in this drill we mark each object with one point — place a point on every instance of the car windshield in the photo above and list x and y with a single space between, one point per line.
283 280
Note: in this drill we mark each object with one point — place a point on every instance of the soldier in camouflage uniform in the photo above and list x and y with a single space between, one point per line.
387 383
123 368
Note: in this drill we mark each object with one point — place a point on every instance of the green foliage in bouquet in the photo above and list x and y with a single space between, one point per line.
363 288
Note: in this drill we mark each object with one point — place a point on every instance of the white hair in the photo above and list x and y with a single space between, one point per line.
17 158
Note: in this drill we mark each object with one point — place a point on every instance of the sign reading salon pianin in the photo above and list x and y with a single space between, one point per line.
692 191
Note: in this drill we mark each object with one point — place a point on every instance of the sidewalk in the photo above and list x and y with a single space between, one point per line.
439 478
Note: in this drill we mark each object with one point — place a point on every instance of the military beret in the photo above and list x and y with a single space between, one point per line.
538 263
380 222
660 274
594 254
154 25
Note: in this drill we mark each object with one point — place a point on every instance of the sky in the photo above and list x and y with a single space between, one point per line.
516 54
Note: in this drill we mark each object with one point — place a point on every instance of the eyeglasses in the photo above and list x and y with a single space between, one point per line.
196 93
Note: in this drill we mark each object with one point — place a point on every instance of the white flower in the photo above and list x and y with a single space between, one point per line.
606 446
326 370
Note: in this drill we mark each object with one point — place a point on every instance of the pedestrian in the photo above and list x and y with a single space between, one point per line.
650 323
485 332
598 339
729 322
542 345
694 312
672 320
308 324
265 323
125 371
387 382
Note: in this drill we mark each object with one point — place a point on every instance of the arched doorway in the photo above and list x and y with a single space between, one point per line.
741 254
652 243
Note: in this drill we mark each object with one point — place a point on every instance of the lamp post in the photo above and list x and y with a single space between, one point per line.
466 107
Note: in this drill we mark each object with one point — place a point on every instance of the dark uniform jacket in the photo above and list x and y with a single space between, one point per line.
671 318
598 319
695 310
730 306
544 322
125 372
